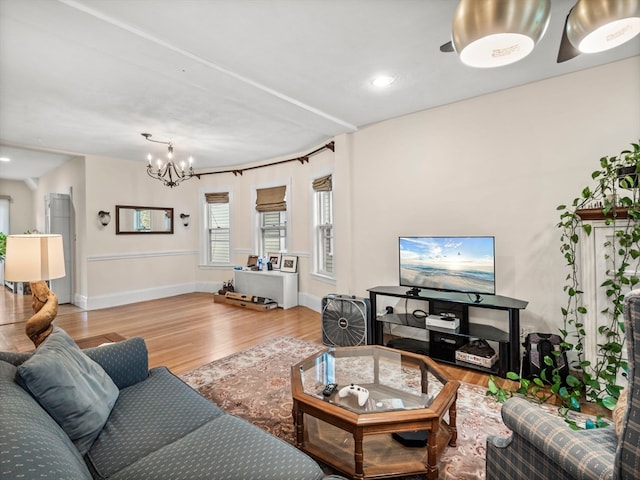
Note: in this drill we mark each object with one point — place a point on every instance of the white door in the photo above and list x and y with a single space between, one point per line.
58 220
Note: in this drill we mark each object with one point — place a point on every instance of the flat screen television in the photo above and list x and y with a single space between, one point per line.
453 264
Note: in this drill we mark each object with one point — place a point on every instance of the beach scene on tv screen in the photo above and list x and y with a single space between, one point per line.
463 264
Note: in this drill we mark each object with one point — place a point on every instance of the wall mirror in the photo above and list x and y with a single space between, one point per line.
145 220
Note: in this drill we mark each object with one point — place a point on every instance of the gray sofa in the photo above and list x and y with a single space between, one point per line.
158 428
543 447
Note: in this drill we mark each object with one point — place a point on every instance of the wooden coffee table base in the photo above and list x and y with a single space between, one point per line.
368 451
405 392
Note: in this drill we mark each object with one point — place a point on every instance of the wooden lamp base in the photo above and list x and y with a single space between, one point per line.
45 306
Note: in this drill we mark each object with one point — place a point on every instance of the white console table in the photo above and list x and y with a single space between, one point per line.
280 286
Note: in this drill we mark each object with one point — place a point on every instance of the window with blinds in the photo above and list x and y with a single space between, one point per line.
324 225
272 205
218 225
273 232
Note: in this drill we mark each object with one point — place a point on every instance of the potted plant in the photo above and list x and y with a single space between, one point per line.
614 199
3 251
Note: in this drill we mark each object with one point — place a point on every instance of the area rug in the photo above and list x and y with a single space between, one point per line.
255 385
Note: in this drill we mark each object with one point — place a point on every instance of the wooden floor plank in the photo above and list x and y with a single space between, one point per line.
181 332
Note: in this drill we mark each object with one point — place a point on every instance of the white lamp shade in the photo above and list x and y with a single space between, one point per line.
31 258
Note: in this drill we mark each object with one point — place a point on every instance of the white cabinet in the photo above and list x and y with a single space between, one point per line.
594 266
280 286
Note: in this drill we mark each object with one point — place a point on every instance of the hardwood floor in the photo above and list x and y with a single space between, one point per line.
181 332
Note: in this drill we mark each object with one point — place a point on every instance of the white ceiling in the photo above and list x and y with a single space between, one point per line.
231 82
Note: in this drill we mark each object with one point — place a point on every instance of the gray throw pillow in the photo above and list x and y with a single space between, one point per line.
71 387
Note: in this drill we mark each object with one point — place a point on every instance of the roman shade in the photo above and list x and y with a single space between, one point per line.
271 199
220 197
323 184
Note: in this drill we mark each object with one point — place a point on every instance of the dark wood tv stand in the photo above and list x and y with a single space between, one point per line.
446 340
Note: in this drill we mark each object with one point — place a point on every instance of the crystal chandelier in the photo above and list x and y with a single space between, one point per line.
168 171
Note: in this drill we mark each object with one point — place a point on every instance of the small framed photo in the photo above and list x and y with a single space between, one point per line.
274 258
252 261
289 264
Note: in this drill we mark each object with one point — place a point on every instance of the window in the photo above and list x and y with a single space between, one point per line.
273 232
272 205
218 226
324 225
142 220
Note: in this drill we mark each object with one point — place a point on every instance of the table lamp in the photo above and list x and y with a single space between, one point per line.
34 259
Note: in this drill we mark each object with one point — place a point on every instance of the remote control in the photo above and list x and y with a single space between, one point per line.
329 389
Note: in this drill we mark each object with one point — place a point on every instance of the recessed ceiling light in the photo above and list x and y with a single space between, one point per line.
5 159
382 81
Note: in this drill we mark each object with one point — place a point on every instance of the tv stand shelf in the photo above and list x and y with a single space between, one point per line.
475 330
458 304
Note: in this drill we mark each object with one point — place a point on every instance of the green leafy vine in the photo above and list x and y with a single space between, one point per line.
616 198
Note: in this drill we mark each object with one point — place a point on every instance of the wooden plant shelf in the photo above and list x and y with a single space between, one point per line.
597 214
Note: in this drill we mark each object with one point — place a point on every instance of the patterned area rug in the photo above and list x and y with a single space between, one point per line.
254 384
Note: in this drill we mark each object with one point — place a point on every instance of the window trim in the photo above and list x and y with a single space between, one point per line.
204 229
314 225
256 216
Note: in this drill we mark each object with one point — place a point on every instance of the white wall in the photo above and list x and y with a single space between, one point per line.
21 214
297 177
128 268
494 165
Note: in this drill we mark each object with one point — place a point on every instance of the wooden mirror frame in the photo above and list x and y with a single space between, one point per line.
123 229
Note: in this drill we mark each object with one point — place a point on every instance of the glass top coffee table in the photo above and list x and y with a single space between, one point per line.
395 420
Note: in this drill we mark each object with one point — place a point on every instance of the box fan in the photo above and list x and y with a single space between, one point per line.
345 320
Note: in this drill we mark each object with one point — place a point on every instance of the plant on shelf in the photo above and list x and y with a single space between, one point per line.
3 245
614 199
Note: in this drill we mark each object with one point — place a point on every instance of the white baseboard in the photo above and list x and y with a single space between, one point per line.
208 287
123 298
310 301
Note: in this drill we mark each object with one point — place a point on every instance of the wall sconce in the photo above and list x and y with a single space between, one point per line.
185 219
105 217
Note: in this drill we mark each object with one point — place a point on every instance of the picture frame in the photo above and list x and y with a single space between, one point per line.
275 259
289 263
252 261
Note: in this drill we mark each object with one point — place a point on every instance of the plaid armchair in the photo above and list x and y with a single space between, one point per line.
543 447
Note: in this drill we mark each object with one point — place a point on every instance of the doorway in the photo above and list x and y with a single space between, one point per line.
58 220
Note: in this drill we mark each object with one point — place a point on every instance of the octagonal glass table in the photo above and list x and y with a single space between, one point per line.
407 420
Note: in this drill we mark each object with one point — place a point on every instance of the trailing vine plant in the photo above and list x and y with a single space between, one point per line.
616 198
3 245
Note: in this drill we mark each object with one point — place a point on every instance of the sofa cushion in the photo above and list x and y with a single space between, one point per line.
226 448
32 444
71 387
15 358
126 362
147 416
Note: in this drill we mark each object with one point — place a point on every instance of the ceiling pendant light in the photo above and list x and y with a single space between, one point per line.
598 25
167 171
493 33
